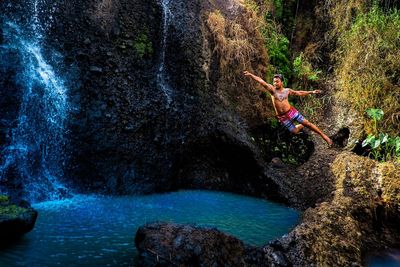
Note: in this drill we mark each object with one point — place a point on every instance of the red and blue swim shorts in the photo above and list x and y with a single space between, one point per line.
290 116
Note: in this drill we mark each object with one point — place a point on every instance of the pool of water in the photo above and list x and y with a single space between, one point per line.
99 231
390 258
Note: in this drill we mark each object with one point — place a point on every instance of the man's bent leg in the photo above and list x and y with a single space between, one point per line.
314 128
297 128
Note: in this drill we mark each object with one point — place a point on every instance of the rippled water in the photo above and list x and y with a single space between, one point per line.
99 231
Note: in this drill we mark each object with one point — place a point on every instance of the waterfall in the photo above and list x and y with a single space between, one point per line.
161 75
35 153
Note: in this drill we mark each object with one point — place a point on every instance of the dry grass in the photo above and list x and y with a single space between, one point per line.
232 42
104 14
343 13
368 67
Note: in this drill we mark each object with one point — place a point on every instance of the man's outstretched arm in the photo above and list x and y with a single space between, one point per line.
303 93
267 86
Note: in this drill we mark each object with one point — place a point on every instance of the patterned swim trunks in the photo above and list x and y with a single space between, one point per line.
288 118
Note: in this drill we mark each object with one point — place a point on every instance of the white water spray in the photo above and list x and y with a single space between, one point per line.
36 150
161 75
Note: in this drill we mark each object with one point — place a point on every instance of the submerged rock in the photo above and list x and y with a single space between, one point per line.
15 220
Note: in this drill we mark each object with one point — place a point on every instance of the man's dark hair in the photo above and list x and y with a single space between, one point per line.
280 76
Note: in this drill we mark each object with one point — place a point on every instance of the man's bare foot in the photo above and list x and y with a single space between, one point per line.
328 141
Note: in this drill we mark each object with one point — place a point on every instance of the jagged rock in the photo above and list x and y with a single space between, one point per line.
15 220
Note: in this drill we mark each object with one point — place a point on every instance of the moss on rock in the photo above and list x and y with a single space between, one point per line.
11 211
4 199
14 219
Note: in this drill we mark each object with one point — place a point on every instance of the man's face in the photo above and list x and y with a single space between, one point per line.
278 83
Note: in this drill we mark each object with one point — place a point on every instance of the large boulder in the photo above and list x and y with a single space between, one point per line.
169 244
15 220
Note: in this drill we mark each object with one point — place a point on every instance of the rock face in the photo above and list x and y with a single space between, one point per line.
124 136
15 220
167 244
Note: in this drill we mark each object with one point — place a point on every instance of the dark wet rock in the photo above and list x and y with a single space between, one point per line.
15 220
123 136
95 69
86 41
168 244
277 163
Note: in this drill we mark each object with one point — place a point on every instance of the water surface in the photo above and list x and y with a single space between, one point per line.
390 258
99 231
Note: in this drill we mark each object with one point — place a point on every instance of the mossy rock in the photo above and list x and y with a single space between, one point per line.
4 200
15 221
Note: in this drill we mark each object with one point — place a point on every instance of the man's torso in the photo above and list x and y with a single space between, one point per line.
280 101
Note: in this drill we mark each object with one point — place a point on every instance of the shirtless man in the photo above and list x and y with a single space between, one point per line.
284 111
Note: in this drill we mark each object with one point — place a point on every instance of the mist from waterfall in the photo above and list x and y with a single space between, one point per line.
35 153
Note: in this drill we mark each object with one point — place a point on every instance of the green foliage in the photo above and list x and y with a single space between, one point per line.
11 211
376 115
273 122
275 141
381 147
4 199
304 73
368 70
143 45
276 43
278 50
273 27
278 8
305 78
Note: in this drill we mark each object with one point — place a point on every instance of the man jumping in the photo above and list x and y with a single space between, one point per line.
284 111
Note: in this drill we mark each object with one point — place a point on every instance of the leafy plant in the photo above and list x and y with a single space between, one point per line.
278 50
143 45
303 72
376 115
381 147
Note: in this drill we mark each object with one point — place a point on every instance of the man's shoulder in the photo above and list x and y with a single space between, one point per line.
289 90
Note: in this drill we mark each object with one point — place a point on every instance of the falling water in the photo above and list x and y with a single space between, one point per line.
35 152
161 75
